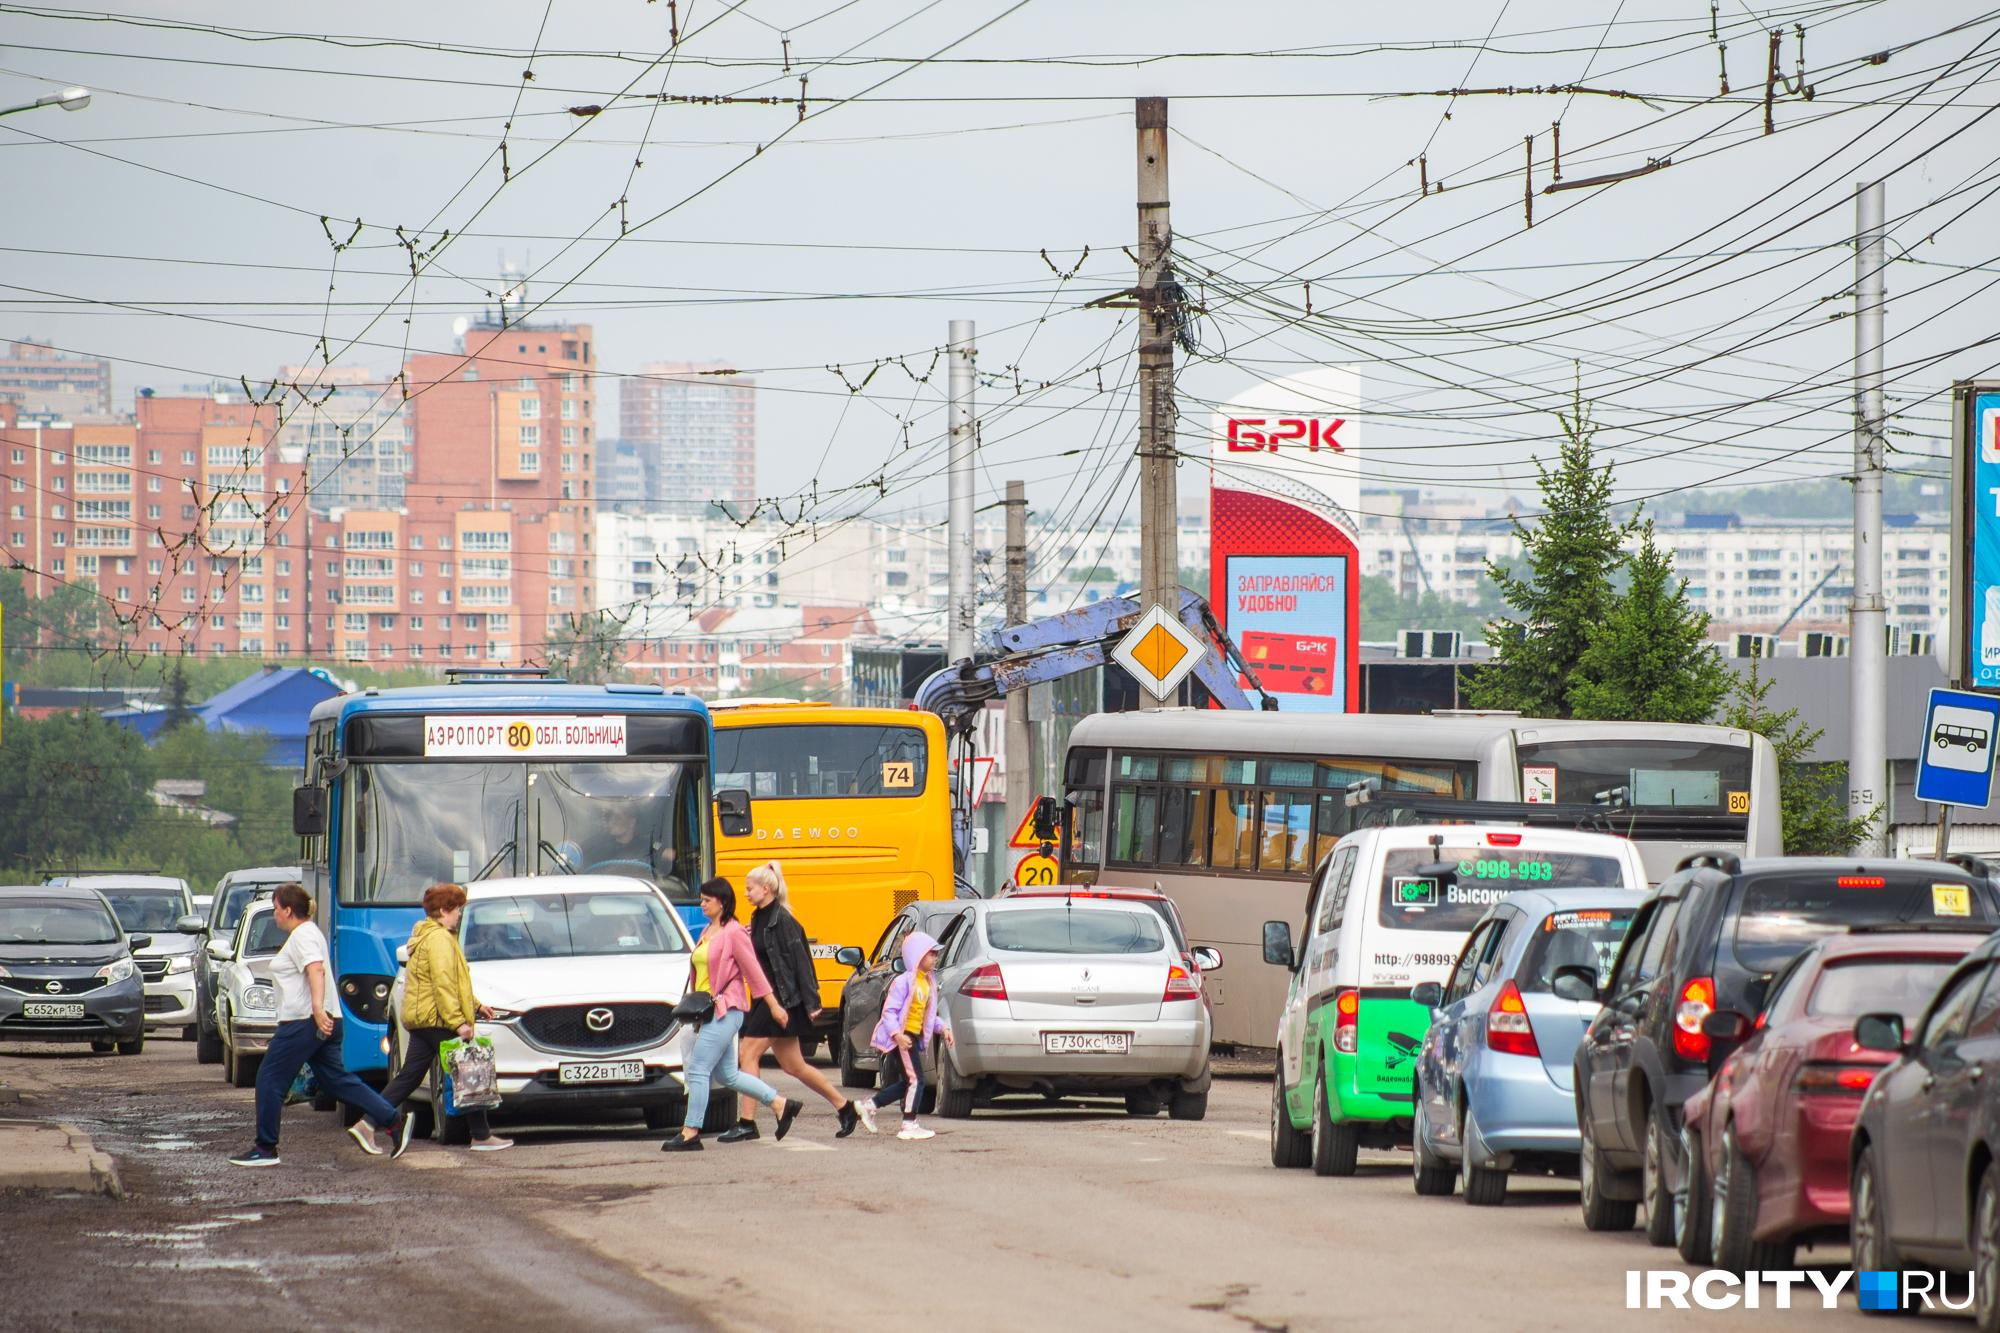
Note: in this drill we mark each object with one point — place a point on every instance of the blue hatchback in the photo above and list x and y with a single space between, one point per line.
1495 1074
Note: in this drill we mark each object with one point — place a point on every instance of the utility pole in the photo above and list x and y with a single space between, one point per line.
1159 523
1868 782
1021 767
962 613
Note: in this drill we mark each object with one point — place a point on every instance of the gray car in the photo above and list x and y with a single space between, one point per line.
1062 997
246 1004
233 892
66 970
861 998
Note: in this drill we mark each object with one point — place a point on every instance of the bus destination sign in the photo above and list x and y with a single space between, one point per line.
524 736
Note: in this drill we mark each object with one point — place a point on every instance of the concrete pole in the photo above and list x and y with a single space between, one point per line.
1159 524
963 610
1868 782
1022 770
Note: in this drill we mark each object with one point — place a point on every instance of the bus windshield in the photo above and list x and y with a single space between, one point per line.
412 825
793 760
1696 775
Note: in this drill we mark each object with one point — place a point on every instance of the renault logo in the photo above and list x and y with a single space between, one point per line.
53 988
598 1020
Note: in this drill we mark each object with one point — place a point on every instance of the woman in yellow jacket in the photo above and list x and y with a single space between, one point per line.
438 1005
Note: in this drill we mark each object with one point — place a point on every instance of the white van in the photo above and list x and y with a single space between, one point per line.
1390 908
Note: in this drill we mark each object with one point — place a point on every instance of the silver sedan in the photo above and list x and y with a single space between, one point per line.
1071 996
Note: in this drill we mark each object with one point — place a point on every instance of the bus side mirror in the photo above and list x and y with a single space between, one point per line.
732 811
309 811
1048 819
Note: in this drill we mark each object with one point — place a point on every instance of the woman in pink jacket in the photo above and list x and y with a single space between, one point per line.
725 965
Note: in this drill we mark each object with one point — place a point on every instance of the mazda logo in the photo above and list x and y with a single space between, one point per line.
599 1020
53 988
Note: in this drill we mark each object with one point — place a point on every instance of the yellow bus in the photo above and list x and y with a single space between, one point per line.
854 803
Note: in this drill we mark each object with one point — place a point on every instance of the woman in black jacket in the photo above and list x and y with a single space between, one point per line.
787 960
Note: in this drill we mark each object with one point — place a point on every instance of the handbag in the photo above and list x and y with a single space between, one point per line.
471 1080
695 1008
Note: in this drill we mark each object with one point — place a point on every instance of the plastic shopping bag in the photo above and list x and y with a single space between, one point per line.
471 1081
305 1087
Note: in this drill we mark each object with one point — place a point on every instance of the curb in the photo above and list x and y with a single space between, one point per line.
38 1155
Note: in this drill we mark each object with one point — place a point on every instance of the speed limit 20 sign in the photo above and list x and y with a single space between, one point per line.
1035 872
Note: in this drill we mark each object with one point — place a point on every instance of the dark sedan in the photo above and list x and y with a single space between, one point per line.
1924 1177
861 999
1768 1137
66 970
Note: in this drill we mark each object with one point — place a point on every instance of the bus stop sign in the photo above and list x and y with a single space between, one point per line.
1955 760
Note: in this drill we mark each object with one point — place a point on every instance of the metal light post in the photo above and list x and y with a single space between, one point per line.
69 99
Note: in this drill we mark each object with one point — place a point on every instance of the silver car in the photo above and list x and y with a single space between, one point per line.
1071 996
159 906
246 1004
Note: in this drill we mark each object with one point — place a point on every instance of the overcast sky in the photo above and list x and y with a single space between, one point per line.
175 225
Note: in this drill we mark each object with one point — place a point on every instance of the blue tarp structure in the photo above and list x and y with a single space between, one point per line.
277 702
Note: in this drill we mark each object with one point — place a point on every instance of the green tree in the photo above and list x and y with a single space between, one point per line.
70 785
1812 798
587 650
1572 557
1650 660
180 706
63 624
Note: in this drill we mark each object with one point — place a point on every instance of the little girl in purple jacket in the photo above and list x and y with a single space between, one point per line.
912 1014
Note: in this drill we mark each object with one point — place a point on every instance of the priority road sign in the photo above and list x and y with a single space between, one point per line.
1955 758
1158 652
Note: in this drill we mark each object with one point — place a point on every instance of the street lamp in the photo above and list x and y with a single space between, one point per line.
69 99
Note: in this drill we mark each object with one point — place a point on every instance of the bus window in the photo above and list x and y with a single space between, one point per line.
1234 846
1135 824
1697 775
1287 832
1086 827
1184 826
796 760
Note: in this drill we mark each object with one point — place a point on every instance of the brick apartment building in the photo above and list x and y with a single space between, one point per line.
39 380
728 651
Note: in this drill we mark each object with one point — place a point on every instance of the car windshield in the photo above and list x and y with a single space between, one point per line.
1781 914
45 921
238 897
1075 930
412 825
1449 888
145 911
1851 988
264 935
1585 938
557 925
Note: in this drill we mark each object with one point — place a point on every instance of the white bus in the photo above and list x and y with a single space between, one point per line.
1231 812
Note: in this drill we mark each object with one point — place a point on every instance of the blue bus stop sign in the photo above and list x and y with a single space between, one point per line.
1955 761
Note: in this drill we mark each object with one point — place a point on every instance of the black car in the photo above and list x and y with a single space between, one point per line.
66 970
1923 1181
1711 940
233 893
861 999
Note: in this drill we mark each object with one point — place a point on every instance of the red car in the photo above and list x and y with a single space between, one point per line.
1767 1137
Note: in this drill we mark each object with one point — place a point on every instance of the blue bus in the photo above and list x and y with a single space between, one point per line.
498 773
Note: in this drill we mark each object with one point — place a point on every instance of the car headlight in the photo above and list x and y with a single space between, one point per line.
122 970
5 973
260 999
181 962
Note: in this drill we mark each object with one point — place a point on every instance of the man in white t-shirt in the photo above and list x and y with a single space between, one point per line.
308 1034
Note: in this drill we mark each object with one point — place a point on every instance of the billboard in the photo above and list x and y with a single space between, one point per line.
1284 571
1975 627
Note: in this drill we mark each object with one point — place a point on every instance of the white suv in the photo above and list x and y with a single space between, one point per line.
162 907
582 973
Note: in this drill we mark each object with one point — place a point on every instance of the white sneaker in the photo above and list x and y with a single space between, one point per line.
866 1110
912 1130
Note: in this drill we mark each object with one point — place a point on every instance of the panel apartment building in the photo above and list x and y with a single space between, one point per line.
694 430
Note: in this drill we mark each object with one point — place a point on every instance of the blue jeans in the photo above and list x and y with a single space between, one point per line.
294 1045
904 1070
714 1058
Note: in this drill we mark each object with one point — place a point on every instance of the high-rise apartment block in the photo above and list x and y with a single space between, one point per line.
353 428
694 425
41 381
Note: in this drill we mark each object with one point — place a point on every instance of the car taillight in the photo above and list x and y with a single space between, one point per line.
1180 986
1836 1080
1507 1028
1346 1021
1503 840
985 984
1860 882
1696 1004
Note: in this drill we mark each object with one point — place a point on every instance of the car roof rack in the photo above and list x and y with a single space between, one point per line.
476 675
1923 928
48 875
1375 808
1966 861
1727 862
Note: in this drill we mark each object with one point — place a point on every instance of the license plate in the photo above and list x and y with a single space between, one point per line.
34 1009
1086 1043
825 950
602 1071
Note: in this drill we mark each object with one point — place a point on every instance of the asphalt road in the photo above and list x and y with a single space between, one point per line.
1071 1216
